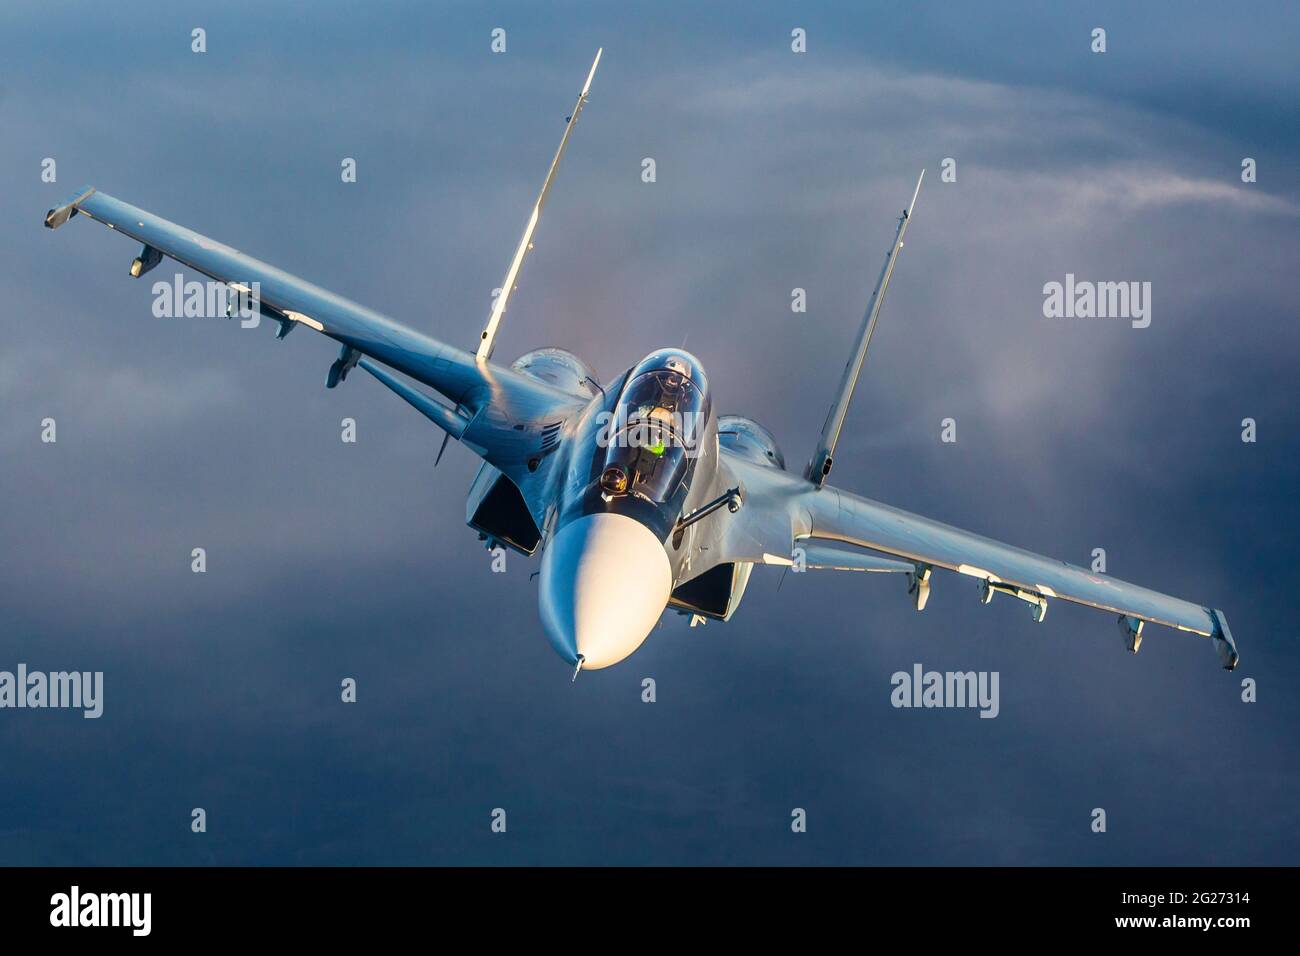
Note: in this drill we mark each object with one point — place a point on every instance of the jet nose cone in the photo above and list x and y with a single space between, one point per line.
605 581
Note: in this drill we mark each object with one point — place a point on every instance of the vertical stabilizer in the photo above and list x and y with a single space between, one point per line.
487 340
820 465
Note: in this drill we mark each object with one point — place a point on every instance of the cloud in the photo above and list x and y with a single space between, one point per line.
1138 189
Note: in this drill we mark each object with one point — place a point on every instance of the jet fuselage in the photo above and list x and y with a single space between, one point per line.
642 456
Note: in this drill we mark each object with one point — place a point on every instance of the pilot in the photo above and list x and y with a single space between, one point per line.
675 364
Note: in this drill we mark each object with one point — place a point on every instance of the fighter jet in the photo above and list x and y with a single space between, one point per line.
638 496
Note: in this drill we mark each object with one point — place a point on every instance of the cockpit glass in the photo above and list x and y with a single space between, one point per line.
654 433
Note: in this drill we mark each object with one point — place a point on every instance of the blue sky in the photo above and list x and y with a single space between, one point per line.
774 171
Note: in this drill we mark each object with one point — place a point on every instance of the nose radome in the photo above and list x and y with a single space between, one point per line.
605 581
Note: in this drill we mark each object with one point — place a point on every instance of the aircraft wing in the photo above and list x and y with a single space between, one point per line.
782 512
498 412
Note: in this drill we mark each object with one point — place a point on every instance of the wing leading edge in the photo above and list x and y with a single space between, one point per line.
497 409
782 509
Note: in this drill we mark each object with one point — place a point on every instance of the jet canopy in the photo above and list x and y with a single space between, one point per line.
657 421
